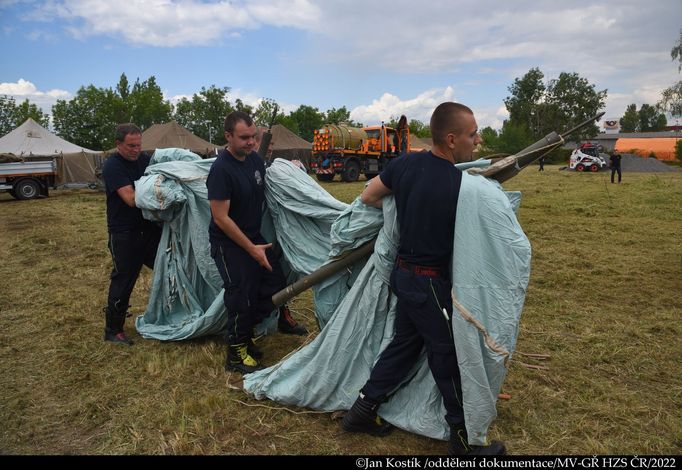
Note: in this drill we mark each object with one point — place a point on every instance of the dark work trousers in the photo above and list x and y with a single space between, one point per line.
129 251
420 322
613 173
248 287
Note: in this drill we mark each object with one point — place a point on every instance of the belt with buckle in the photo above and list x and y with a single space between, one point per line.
428 271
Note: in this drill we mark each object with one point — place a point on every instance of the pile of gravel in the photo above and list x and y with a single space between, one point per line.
635 163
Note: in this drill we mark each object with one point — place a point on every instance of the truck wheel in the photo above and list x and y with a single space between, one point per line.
27 189
594 168
325 177
580 167
351 172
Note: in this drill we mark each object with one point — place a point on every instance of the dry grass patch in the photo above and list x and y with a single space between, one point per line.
603 304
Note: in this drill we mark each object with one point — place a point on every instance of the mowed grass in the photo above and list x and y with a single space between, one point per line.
597 369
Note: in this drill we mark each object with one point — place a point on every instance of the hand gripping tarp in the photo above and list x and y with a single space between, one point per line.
186 296
490 267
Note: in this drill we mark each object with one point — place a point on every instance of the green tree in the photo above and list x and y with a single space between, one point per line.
7 110
288 122
204 114
490 139
13 115
262 116
574 100
650 119
630 120
671 98
678 149
239 105
145 104
308 119
89 118
513 138
527 94
557 106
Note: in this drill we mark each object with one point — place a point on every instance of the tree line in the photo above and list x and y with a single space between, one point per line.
536 107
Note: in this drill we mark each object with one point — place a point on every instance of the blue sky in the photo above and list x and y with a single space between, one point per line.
377 58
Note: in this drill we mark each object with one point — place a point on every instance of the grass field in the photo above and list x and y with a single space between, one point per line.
597 369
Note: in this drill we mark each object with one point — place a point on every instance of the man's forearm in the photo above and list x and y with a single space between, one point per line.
234 233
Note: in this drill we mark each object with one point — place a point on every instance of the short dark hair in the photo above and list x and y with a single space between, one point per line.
122 130
445 120
234 117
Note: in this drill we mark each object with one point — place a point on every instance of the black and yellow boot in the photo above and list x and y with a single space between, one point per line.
459 444
253 349
239 360
362 417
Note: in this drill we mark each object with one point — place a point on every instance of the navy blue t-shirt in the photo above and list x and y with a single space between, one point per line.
118 172
243 184
426 189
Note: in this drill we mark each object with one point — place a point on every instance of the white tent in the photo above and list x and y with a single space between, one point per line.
32 139
76 165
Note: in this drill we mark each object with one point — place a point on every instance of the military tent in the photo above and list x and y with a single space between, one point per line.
289 146
173 135
662 147
75 164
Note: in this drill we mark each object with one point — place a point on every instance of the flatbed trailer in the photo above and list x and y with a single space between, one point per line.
28 180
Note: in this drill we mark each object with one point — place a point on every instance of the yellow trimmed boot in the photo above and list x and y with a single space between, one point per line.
239 360
459 444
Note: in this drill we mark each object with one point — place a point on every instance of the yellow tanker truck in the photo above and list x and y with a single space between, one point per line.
352 151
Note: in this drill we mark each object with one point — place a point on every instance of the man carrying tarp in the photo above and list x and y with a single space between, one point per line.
420 278
248 267
133 240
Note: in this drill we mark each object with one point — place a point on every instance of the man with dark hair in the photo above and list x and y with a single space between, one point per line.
133 241
420 278
615 166
249 269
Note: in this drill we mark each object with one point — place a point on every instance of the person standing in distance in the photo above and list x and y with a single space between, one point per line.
133 240
249 269
420 277
615 166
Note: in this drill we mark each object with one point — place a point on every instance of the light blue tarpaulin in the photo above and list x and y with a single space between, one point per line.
490 265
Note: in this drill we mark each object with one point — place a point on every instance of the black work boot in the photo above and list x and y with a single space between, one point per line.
459 444
253 350
287 325
239 360
113 330
362 417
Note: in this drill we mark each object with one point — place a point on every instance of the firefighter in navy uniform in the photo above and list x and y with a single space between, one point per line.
133 240
249 269
420 276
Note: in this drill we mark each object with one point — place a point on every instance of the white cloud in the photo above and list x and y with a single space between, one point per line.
173 23
23 89
389 105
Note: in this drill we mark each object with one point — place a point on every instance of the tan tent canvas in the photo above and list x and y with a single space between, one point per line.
173 135
289 146
662 147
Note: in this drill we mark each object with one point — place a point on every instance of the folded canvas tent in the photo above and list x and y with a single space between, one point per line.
355 308
75 164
